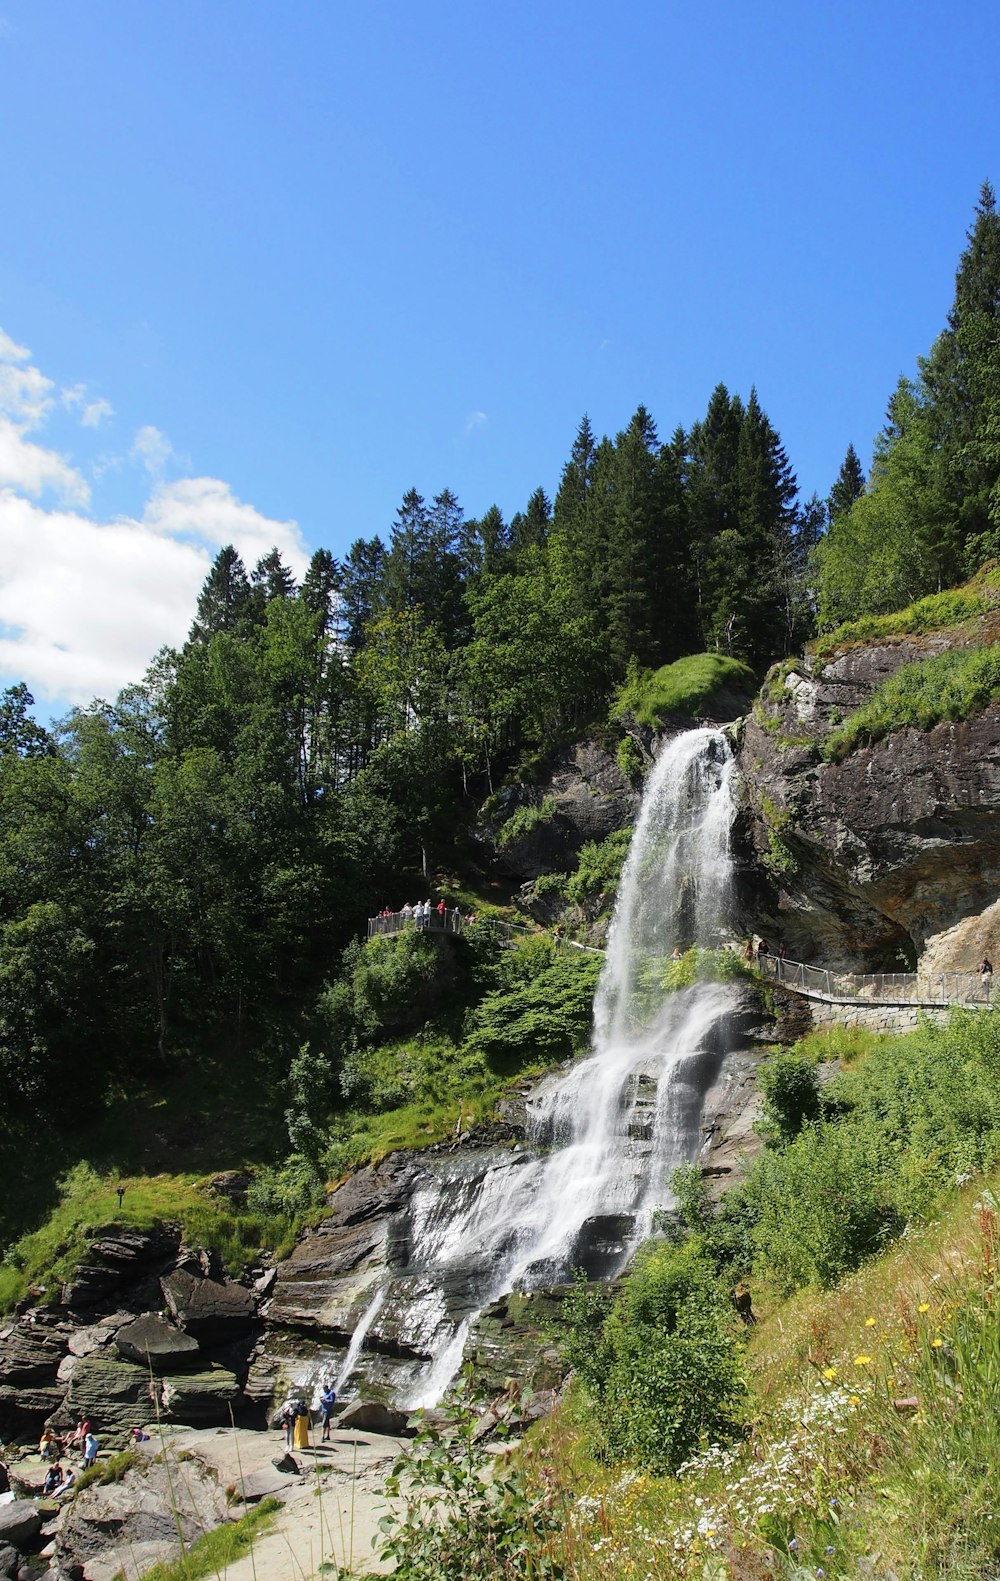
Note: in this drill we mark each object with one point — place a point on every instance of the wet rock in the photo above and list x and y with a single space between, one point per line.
319 1285
153 1342
20 1524
371 1416
209 1309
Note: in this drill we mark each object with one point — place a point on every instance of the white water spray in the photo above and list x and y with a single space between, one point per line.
604 1137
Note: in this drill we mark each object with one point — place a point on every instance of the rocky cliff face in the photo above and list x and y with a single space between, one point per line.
887 858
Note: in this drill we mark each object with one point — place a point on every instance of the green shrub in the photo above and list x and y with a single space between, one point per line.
386 984
790 1086
541 1010
953 685
822 1205
463 1513
679 688
702 966
628 756
107 1471
524 820
599 867
664 1365
547 884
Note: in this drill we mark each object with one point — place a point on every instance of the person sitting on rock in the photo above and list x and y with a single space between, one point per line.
139 1437
67 1484
49 1446
53 1477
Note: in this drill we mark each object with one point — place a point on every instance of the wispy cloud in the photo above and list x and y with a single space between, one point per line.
91 411
475 420
26 399
153 449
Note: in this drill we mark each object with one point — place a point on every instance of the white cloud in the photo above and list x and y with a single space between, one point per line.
31 469
85 604
474 420
153 449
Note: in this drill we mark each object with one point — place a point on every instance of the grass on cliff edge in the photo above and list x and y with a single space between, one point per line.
954 685
679 688
934 612
89 1201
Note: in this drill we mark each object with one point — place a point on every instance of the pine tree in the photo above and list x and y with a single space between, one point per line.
224 602
273 577
850 486
362 597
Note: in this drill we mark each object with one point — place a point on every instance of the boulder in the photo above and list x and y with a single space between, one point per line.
203 1399
209 1309
287 1464
128 1248
20 1524
85 1341
371 1416
138 1520
23 1411
9 1559
155 1343
31 1353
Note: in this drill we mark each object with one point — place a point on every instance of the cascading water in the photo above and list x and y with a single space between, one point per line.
603 1138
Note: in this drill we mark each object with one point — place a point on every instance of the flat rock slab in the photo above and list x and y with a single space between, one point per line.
154 1342
20 1523
201 1398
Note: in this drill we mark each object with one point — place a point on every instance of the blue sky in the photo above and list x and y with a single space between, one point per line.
267 266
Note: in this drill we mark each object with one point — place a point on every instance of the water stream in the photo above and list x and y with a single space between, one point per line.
603 1137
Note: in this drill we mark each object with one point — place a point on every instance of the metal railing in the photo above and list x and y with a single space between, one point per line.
885 988
454 922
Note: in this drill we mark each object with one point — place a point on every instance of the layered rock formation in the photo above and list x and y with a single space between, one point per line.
888 857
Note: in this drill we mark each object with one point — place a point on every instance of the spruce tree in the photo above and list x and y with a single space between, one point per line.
224 603
850 486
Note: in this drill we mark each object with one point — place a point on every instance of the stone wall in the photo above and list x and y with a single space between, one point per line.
877 1018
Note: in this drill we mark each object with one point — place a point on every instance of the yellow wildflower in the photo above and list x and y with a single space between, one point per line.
924 1306
869 1322
862 1361
829 1372
936 1342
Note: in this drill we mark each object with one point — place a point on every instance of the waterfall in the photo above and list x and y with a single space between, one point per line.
602 1138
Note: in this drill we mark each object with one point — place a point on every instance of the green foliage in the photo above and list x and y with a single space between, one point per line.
467 1514
387 984
524 820
663 1366
953 685
790 1087
213 1553
934 612
702 966
822 1206
289 1191
107 1471
599 867
540 1010
890 1136
683 687
628 756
